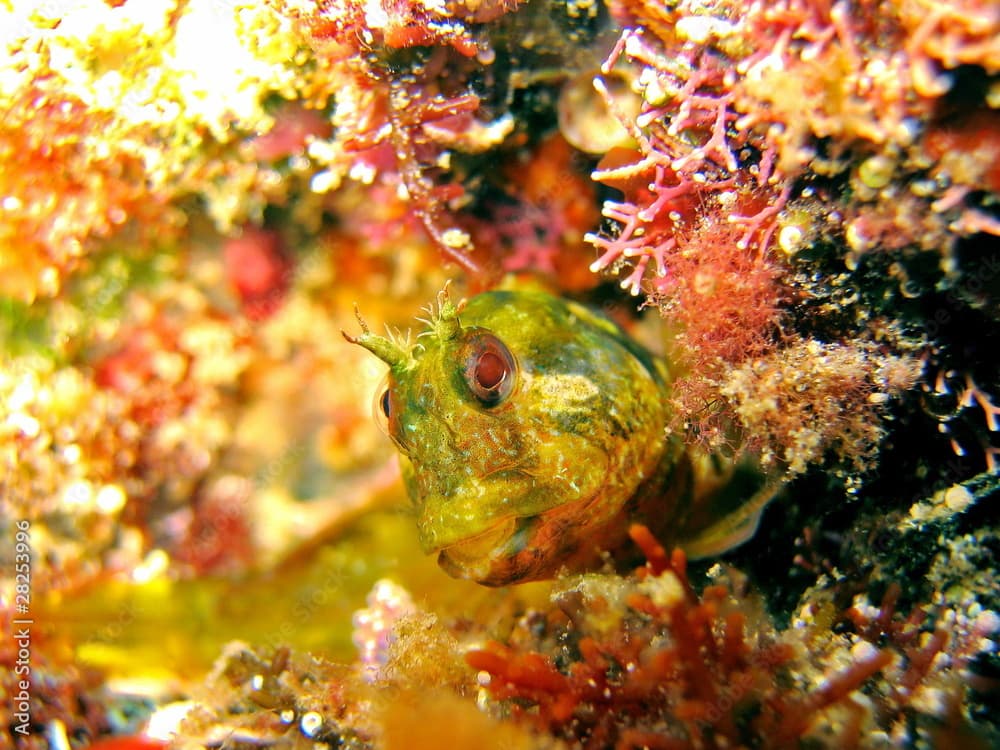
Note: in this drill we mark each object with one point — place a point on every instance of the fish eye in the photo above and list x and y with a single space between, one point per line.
490 369
386 412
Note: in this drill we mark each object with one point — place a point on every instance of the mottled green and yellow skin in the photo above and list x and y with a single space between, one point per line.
533 433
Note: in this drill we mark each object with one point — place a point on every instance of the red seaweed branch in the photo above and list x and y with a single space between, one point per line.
679 670
649 662
413 108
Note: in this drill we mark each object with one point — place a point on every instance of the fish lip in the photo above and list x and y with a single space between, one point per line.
505 552
482 545
483 558
501 530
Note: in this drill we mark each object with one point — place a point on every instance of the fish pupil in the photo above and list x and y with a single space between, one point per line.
385 403
491 371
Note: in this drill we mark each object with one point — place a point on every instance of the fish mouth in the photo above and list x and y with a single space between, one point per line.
530 547
475 557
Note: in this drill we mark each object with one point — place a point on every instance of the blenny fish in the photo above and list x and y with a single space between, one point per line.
534 432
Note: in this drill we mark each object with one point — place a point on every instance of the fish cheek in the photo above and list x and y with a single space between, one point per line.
409 478
473 485
568 470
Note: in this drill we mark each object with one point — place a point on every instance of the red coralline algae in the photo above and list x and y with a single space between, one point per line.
679 670
407 124
218 534
259 269
547 208
758 99
399 24
667 667
779 140
700 201
295 127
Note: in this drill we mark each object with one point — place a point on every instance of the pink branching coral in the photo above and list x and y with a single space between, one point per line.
686 172
741 103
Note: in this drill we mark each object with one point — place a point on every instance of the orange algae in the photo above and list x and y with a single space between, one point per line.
59 197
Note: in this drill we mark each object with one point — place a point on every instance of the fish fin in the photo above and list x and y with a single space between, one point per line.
733 529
